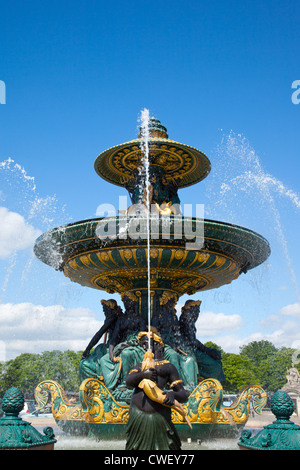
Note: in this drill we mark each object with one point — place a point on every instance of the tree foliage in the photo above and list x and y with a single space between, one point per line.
28 370
269 363
238 371
259 363
258 351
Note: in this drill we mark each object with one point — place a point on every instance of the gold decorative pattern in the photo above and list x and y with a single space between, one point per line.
118 270
93 395
204 405
64 409
156 338
176 382
181 161
130 295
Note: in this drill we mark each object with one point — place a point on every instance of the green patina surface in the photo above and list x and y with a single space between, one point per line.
16 433
282 434
118 265
112 254
244 244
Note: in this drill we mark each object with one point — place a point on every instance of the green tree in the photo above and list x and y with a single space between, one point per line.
270 363
272 370
257 351
20 372
26 371
210 344
238 371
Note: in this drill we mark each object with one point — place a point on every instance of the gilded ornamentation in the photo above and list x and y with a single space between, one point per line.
97 404
130 295
203 257
127 253
192 303
153 335
112 267
62 409
104 256
166 296
179 254
154 252
239 410
179 160
186 255
122 269
173 384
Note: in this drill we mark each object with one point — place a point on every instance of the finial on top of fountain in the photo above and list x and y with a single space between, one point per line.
156 129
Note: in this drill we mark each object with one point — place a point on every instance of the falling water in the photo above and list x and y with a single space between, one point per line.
14 167
22 206
145 149
238 171
12 264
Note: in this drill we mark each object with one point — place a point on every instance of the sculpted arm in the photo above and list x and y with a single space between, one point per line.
214 353
136 375
114 339
96 338
177 391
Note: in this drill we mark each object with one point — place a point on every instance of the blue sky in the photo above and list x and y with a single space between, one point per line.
218 75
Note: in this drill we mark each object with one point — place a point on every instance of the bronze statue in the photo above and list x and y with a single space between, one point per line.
112 311
165 320
150 426
127 324
90 362
162 192
208 359
189 316
124 350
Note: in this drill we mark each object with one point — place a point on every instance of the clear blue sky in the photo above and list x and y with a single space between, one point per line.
77 75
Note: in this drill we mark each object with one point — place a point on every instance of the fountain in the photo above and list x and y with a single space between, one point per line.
17 434
151 254
282 434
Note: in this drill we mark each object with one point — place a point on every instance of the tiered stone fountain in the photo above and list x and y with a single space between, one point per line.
187 255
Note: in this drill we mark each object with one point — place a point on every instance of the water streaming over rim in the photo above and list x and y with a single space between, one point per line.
145 150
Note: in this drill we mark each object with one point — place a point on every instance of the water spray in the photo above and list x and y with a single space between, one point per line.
145 150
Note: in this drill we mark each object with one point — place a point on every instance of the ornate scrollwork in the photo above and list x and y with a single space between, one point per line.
90 394
205 404
239 410
205 401
62 409
99 405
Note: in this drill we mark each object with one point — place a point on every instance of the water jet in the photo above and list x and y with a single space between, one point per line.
151 255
